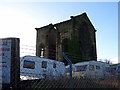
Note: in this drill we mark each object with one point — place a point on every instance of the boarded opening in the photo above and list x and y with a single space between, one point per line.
65 49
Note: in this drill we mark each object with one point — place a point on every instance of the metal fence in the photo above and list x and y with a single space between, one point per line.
57 80
65 83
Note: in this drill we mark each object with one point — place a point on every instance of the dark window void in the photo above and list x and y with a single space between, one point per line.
91 67
52 52
92 53
65 45
54 65
29 64
47 39
44 64
41 50
97 67
51 44
65 49
81 68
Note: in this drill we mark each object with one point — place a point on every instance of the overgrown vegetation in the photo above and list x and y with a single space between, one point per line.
74 53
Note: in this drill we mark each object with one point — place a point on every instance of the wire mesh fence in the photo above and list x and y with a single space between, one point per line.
27 50
41 73
65 83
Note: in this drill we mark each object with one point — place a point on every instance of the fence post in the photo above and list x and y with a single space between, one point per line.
68 60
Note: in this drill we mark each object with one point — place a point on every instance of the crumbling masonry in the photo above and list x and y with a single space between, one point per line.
76 37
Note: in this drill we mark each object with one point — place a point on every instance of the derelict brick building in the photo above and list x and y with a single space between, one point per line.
76 37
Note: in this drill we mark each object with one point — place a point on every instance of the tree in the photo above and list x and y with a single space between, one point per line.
108 61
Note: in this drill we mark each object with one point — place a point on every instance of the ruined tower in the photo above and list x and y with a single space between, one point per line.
76 37
46 42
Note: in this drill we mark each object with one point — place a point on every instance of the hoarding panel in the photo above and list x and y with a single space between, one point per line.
0 65
5 59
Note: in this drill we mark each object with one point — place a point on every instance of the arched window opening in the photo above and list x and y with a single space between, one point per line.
41 50
65 49
65 45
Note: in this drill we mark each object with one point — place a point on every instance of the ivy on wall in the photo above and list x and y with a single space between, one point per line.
75 55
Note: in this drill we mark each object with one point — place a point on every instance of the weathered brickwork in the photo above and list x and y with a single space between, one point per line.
76 37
